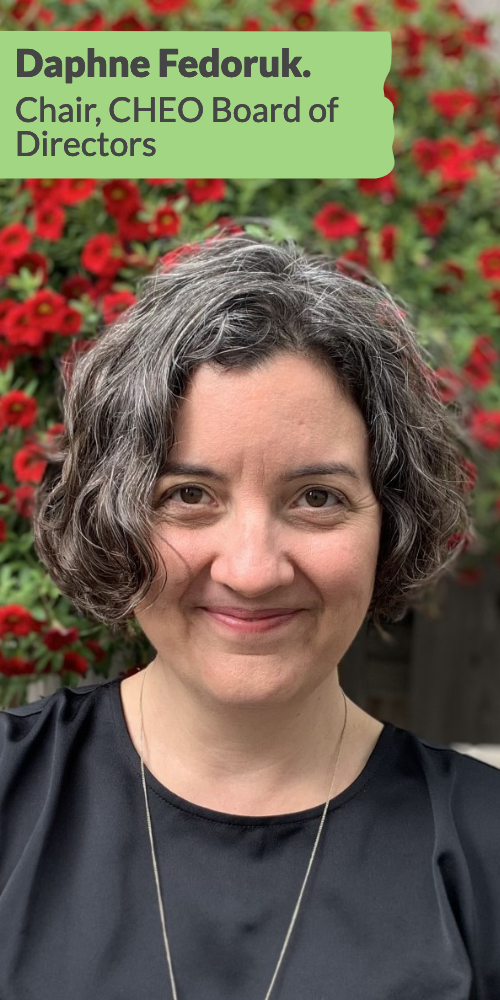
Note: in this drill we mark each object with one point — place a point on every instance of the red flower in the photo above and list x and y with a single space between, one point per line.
166 6
388 241
15 666
116 303
489 262
5 493
460 540
20 329
76 286
412 69
452 44
96 649
70 322
469 576
362 14
45 15
477 33
130 227
456 271
478 374
15 239
96 22
166 221
44 189
21 10
67 360
7 354
28 464
304 21
17 620
132 670
449 384
46 309
406 5
285 6
485 428
413 41
205 190
75 662
451 7
173 257
6 264
386 186
432 217
33 262
55 430
335 222
358 256
77 189
121 197
227 225
470 470
483 148
17 409
451 103
129 22
102 286
392 93
425 152
56 638
3 530
6 306
483 355
24 500
157 182
251 24
484 350
454 161
102 254
49 221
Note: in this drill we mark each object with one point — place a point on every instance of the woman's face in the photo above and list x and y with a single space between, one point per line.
255 534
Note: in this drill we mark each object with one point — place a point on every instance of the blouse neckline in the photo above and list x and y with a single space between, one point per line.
133 761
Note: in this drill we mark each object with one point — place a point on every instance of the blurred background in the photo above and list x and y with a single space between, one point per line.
72 251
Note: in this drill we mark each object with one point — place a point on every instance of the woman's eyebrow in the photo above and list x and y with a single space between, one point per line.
323 469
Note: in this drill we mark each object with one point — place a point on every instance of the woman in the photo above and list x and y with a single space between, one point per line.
255 460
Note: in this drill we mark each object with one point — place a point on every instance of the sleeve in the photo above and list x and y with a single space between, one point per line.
476 809
22 788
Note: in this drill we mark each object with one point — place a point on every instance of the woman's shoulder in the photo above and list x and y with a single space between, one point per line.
446 760
43 705
464 792
40 722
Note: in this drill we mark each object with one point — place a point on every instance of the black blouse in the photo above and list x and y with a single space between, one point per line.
402 903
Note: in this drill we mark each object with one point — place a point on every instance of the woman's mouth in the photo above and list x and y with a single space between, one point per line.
250 625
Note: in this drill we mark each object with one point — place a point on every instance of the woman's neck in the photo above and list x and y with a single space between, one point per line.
247 760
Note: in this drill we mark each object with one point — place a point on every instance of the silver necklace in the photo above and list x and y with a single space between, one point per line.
155 864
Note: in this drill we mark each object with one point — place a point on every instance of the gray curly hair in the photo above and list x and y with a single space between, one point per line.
235 302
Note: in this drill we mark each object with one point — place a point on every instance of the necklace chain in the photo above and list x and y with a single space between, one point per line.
155 864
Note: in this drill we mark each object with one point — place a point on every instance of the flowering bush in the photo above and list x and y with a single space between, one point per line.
71 252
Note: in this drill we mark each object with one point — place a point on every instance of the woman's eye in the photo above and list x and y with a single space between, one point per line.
189 492
316 496
318 493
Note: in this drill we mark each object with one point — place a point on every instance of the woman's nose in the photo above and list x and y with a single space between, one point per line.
250 557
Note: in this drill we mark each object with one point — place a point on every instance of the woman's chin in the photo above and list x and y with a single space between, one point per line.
252 684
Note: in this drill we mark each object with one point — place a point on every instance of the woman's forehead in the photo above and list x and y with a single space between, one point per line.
293 390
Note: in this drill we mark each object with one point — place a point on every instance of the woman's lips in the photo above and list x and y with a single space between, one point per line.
250 624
